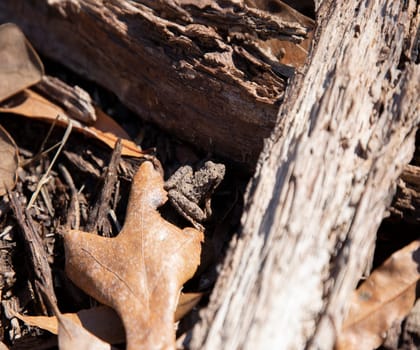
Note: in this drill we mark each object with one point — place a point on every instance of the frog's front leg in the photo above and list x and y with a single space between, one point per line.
188 209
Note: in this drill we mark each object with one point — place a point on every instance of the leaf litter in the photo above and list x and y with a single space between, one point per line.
161 279
195 299
32 105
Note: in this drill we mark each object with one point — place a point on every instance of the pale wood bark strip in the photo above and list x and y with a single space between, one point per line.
322 185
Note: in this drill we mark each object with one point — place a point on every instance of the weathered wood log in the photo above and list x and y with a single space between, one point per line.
203 71
322 184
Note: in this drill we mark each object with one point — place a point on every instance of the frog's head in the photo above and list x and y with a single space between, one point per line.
215 171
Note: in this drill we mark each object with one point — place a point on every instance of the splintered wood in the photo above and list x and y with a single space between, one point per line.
219 66
323 184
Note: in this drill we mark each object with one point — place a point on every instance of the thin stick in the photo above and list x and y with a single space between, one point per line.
98 220
73 214
39 268
47 200
44 178
40 152
48 134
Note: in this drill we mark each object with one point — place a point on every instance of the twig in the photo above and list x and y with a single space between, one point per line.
44 178
47 200
6 231
41 151
116 195
73 215
40 266
48 135
114 219
99 213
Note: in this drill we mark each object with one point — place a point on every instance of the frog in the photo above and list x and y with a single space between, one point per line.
190 191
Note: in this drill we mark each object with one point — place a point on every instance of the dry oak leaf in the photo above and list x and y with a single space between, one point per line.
102 321
141 271
20 65
385 298
73 336
32 105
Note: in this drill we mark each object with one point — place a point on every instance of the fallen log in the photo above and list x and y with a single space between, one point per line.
202 70
323 183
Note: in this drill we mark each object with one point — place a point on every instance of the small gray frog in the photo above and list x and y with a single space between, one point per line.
190 191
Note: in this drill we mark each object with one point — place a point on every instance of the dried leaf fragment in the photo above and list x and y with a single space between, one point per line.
32 105
97 321
384 298
186 303
9 161
20 66
73 336
141 271
102 321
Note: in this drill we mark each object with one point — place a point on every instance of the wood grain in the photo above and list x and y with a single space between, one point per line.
323 183
196 68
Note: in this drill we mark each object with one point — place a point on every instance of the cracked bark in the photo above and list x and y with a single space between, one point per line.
322 185
199 69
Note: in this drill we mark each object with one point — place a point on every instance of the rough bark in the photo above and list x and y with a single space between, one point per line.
406 203
204 70
73 100
322 184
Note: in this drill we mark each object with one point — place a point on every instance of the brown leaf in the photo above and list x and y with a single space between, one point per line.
102 321
141 271
384 298
186 303
32 105
73 336
73 330
20 65
9 161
